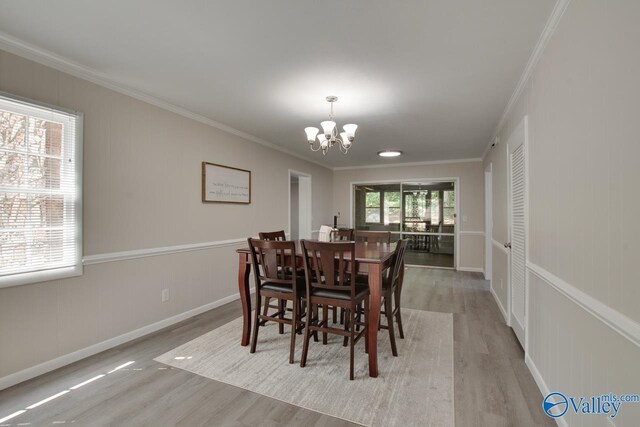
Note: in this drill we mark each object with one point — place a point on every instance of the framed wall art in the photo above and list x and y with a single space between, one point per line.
225 184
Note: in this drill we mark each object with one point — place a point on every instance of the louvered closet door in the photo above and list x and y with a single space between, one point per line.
518 228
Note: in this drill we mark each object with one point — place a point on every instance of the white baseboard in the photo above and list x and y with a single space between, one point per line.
471 269
502 310
58 362
542 385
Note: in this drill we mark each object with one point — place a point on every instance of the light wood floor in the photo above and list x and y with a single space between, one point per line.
493 387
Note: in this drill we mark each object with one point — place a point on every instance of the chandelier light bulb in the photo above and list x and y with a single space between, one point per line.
311 133
350 130
346 143
328 126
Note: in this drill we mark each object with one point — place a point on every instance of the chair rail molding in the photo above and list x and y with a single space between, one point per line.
476 233
165 250
617 321
500 246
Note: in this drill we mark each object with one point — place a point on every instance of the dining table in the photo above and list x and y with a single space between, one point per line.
371 259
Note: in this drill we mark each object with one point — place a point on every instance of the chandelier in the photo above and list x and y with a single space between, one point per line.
329 135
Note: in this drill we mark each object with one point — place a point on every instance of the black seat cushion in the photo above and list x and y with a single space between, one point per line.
284 287
361 291
362 278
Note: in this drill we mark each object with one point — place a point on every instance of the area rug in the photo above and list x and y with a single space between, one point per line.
413 389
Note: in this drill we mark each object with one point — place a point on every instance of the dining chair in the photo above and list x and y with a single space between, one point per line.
278 236
391 293
330 282
275 277
342 234
273 235
373 236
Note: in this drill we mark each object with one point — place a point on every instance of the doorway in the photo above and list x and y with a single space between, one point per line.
299 187
423 212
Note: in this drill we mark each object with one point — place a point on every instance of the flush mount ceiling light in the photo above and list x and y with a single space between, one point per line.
329 135
389 153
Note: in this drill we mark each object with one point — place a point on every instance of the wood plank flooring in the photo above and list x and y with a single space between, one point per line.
493 387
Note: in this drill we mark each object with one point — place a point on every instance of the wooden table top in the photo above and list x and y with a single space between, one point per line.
370 253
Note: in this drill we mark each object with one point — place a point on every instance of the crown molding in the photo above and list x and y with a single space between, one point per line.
543 40
42 56
399 165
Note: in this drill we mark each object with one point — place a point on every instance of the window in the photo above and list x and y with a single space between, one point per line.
435 207
382 207
40 192
391 207
449 207
372 207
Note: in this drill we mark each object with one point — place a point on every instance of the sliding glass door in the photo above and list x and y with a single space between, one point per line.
422 212
429 223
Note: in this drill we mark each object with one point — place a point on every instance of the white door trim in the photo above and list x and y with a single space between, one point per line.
488 222
304 203
456 183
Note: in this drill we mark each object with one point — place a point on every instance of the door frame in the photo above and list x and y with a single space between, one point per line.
521 129
305 211
488 222
456 186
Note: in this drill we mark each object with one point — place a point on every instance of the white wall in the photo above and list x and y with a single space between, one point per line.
583 109
142 178
470 198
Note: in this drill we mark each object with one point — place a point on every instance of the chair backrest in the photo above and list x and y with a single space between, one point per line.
397 261
373 236
329 265
343 234
273 261
273 235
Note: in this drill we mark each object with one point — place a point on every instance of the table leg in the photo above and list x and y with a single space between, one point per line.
244 268
375 288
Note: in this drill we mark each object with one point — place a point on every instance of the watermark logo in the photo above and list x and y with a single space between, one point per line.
555 405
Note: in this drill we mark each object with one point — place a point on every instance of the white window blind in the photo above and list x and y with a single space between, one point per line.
40 192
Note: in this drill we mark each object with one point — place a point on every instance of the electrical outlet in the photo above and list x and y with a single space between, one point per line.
165 295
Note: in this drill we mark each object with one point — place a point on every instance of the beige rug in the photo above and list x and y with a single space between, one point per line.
413 389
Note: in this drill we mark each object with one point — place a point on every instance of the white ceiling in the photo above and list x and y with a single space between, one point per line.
428 77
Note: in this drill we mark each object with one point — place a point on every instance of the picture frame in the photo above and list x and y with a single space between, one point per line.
225 184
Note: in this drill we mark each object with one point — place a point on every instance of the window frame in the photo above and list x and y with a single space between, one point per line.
379 207
384 207
76 269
